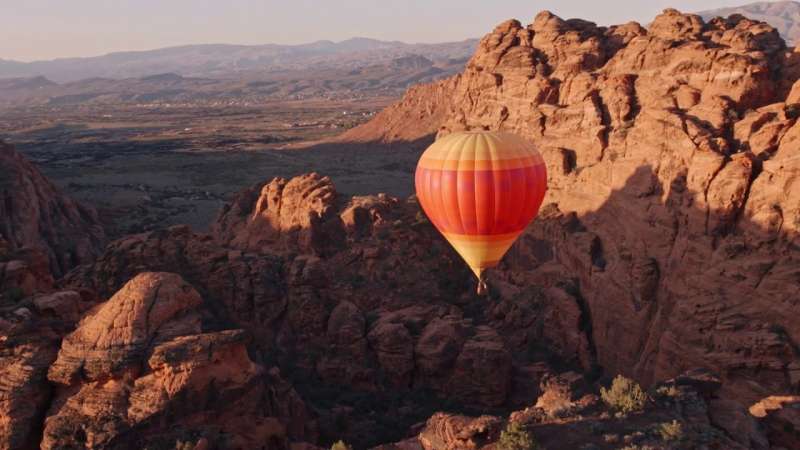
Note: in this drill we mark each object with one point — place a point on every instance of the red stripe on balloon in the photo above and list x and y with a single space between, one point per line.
482 202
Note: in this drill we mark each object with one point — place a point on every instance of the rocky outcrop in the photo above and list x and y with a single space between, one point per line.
139 369
677 419
784 15
451 432
416 116
36 215
31 327
482 369
673 211
294 215
23 273
110 342
393 310
28 345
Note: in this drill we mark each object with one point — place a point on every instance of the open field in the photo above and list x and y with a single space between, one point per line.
151 167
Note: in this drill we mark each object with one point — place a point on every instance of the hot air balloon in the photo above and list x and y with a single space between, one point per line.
481 189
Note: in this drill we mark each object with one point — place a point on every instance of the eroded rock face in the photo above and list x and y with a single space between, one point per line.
249 288
587 421
394 311
28 345
674 203
139 369
33 318
295 215
24 272
482 369
451 432
35 214
110 342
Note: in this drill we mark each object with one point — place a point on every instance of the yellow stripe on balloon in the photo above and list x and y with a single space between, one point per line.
481 251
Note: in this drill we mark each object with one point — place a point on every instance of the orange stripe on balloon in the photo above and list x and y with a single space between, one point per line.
480 202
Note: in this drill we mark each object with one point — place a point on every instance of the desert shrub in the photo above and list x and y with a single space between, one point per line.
340 445
516 437
625 395
670 431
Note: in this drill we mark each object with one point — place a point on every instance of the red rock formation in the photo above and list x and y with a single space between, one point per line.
587 423
24 273
673 168
139 369
295 215
35 214
670 242
416 116
451 432
392 311
31 327
28 345
482 369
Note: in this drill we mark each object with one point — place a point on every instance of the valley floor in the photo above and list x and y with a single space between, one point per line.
150 166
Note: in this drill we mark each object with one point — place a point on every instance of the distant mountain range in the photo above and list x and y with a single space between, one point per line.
233 74
783 15
249 74
224 61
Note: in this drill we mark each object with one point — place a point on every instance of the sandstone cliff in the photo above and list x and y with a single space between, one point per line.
674 193
35 214
137 370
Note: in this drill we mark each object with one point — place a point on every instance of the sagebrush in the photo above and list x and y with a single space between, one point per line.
625 395
516 437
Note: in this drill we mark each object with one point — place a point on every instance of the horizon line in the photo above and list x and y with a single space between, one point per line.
211 44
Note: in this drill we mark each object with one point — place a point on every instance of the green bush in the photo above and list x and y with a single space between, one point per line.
671 431
625 395
516 437
340 445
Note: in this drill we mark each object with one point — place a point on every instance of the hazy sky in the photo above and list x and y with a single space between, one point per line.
45 29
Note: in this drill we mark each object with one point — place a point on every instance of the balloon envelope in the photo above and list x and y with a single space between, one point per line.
481 190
